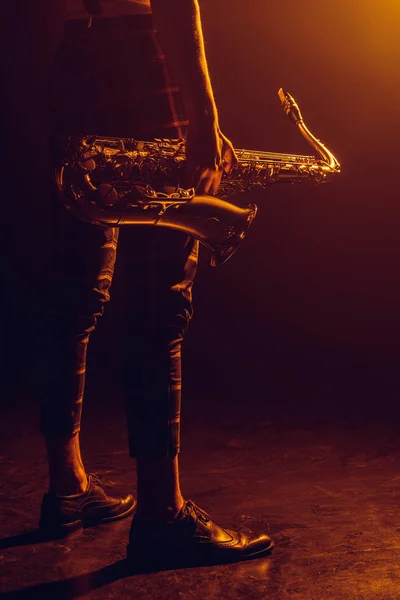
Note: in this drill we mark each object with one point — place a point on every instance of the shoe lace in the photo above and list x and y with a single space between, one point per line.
95 479
199 512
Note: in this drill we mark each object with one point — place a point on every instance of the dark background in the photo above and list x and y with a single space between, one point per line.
304 319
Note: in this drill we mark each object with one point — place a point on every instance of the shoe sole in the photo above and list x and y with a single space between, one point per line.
139 559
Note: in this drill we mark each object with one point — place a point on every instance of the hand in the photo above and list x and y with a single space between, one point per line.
208 154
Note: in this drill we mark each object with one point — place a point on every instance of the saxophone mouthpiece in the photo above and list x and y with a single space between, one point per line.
290 106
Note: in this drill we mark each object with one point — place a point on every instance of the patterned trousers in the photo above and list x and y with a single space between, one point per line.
111 79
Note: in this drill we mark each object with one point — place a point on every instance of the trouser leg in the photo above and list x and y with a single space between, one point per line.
160 307
83 267
153 386
112 80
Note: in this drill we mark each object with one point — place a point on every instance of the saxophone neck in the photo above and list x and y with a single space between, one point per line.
292 110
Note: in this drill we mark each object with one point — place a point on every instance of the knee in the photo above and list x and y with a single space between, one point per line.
179 313
166 340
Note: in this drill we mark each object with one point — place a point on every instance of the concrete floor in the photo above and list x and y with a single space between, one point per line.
328 491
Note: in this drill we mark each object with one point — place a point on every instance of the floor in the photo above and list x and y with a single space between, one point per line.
327 490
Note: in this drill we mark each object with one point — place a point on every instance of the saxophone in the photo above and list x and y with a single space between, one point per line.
112 182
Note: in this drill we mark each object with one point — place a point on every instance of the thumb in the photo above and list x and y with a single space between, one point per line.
229 158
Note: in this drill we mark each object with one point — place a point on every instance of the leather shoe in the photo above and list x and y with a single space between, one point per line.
62 515
191 539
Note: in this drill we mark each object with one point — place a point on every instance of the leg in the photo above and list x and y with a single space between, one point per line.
61 409
84 259
161 266
66 471
82 271
167 529
154 427
161 475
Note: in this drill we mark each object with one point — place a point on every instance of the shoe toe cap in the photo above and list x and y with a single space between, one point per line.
258 544
128 502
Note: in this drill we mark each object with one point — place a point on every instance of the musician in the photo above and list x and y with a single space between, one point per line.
110 77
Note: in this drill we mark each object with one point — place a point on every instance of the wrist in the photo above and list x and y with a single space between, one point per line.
200 106
203 117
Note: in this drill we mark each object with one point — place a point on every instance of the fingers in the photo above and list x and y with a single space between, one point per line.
229 157
204 180
215 183
205 165
209 181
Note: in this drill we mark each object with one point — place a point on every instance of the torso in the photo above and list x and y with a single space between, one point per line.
75 9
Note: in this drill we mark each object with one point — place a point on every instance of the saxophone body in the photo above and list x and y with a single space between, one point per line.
113 182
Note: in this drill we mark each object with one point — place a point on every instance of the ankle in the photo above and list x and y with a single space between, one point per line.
159 492
160 512
66 469
68 484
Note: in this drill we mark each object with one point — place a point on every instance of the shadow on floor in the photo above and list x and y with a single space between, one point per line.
74 587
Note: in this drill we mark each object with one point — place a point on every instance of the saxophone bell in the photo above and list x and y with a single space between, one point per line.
216 223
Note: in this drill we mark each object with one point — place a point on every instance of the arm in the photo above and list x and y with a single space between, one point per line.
208 151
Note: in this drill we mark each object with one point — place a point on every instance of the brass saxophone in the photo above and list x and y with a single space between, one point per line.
112 182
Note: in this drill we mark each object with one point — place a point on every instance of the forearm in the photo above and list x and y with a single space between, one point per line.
179 30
